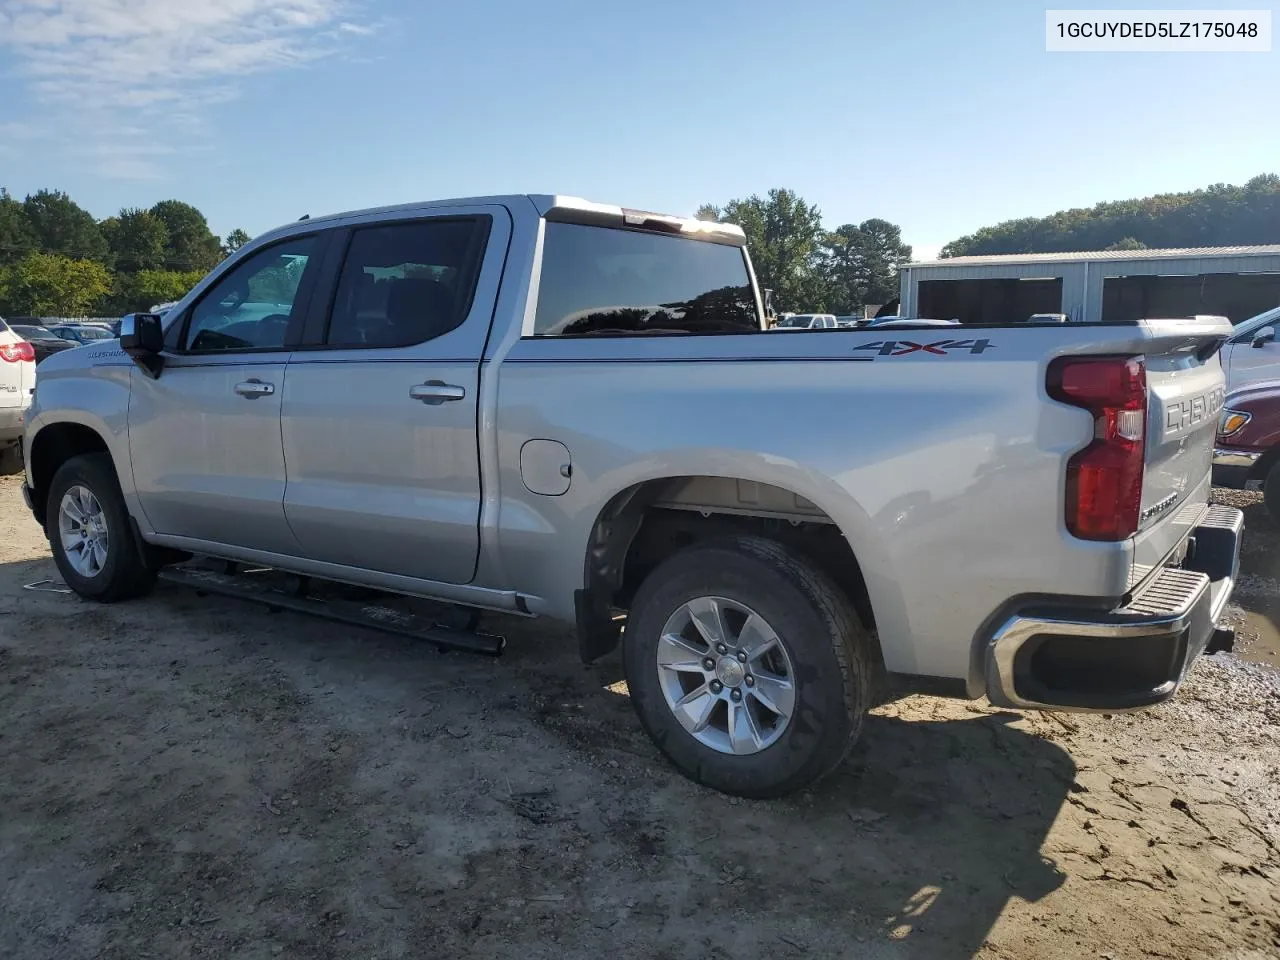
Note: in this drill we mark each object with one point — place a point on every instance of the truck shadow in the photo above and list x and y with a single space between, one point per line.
919 841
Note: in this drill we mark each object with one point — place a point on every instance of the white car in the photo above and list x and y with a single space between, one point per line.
1252 353
17 383
807 321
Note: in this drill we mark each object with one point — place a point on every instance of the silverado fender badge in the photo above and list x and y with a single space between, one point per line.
937 348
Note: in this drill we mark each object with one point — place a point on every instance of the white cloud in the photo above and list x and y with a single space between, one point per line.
97 67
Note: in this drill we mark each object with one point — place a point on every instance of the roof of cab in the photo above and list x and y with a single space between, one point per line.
554 207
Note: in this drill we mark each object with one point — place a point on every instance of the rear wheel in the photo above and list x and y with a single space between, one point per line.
88 529
10 460
747 667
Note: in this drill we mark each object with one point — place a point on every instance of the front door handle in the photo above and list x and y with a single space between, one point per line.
436 392
251 389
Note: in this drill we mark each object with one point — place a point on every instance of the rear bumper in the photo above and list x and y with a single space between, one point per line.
1233 467
1129 657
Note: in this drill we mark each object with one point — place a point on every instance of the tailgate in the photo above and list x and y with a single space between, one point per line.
1185 393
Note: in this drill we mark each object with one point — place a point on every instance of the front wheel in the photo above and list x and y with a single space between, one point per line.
747 667
87 524
1271 492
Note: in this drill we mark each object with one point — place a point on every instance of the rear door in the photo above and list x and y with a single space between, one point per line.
204 437
380 407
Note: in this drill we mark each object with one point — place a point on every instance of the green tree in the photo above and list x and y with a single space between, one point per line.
1217 215
137 240
784 235
61 226
1127 243
17 239
146 288
192 245
862 263
236 239
49 284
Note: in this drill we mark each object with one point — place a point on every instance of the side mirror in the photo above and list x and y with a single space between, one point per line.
142 338
1264 336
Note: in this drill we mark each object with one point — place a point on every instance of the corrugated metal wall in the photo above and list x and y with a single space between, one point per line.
1082 280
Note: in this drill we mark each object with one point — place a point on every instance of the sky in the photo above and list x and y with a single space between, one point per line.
940 116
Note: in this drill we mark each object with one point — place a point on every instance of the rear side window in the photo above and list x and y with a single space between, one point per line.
610 282
406 283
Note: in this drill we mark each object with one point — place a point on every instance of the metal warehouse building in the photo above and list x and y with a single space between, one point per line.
1102 285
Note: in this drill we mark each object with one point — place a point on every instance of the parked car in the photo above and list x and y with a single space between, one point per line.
806 321
82 332
17 383
850 321
44 340
1048 318
1246 452
1252 353
1020 533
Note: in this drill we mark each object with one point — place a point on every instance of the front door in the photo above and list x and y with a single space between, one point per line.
379 414
204 437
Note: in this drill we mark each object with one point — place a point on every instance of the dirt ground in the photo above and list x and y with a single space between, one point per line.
191 776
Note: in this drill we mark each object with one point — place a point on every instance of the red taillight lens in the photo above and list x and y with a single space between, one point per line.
14 352
1104 480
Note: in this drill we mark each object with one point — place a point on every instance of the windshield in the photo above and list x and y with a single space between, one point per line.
93 333
794 322
40 333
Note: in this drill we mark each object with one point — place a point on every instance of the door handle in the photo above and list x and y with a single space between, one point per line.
436 392
251 389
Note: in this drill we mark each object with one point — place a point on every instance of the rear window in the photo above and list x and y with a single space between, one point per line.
3 326
609 282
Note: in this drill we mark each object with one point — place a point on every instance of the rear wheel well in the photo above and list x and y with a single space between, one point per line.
52 447
640 528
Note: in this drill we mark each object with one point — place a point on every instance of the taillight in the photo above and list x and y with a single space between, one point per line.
15 352
1104 480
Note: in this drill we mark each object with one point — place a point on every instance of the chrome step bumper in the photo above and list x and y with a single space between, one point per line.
1129 657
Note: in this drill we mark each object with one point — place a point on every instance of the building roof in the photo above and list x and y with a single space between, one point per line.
1177 253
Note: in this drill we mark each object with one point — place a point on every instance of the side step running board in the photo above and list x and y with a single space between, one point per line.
273 591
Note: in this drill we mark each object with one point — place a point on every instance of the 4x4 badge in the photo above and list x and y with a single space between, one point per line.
898 348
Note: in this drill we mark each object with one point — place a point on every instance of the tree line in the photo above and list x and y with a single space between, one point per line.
1218 215
810 268
56 259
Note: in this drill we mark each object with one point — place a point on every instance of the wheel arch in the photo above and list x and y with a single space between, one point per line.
52 446
627 537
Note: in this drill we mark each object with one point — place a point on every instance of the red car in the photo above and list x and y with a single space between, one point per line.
1246 453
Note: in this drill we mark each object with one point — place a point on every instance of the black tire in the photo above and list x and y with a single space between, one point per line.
10 460
830 651
1271 492
125 574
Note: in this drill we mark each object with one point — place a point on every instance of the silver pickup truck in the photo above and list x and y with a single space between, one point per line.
554 408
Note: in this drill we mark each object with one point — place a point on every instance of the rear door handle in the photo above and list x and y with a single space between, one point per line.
255 388
436 392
